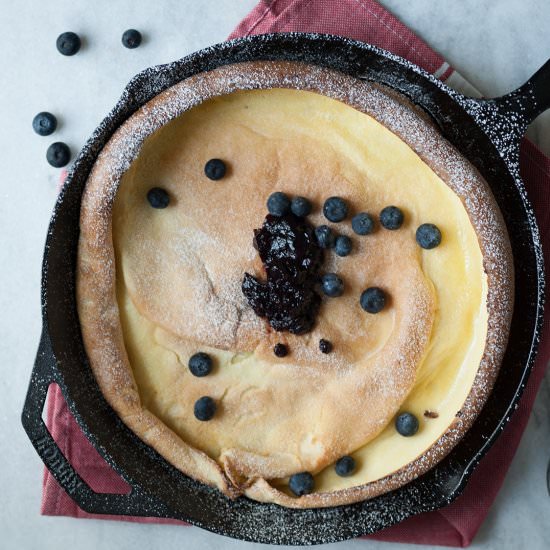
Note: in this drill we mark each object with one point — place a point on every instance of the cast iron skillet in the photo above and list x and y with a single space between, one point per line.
487 132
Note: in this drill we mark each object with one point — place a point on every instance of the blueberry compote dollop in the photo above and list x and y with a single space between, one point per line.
292 259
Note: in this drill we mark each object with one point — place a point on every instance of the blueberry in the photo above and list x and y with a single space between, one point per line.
325 346
68 43
44 124
391 217
325 236
278 204
428 236
300 207
333 286
58 154
335 209
373 300
342 246
406 424
215 169
345 466
205 408
362 223
200 364
158 198
131 39
301 484
280 350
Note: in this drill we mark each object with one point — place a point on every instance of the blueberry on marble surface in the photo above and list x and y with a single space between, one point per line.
158 198
345 466
44 123
131 39
278 204
428 236
200 364
300 207
325 236
205 408
342 245
362 223
215 169
68 43
58 154
335 209
406 424
373 300
301 484
391 217
332 285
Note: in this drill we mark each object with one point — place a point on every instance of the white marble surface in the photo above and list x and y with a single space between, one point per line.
496 44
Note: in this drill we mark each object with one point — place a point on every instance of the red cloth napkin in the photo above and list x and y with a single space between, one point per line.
457 524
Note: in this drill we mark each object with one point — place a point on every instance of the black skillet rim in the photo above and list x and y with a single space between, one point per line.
433 490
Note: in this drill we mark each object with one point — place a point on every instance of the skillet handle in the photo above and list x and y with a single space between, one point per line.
137 502
505 119
530 99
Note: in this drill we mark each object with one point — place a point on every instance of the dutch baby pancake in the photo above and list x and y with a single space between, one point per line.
291 285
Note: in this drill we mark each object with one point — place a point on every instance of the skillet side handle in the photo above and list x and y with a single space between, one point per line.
505 119
137 502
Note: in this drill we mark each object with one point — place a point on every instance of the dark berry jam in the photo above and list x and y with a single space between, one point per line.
292 260
280 350
325 346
